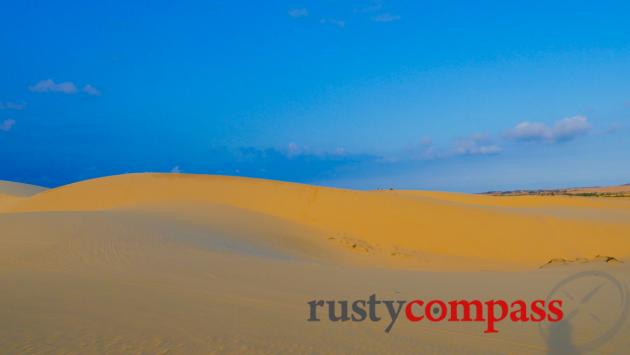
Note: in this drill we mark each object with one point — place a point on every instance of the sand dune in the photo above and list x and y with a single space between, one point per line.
170 263
12 192
489 229
18 189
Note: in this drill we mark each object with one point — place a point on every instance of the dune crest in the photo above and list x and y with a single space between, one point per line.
577 261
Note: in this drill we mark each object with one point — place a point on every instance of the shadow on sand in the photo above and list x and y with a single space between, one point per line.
559 341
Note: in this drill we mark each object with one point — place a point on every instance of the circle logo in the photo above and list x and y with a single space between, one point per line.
595 306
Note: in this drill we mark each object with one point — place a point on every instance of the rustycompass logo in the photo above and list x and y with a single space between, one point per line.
490 312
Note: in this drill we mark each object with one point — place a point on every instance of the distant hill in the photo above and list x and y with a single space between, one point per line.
595 191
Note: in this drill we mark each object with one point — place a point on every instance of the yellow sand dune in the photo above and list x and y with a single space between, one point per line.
193 264
519 230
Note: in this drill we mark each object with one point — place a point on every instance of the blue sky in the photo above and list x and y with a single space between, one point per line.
460 96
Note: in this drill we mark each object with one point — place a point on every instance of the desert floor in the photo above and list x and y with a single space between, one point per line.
172 263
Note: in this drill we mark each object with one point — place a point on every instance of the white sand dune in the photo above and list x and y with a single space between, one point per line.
170 263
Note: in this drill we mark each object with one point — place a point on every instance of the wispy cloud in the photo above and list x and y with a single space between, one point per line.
7 125
476 144
91 90
563 130
615 128
572 127
295 150
66 87
386 18
374 6
12 106
295 13
377 13
335 22
425 149
491 144
293 162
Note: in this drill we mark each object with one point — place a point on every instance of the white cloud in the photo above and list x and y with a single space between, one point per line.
477 144
386 18
66 87
295 13
572 127
6 125
12 106
335 22
563 130
91 90
530 131
425 149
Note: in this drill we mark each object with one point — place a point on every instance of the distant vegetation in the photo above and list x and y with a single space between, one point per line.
601 194
583 192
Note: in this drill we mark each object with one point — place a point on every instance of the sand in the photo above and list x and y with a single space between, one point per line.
8 188
172 263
